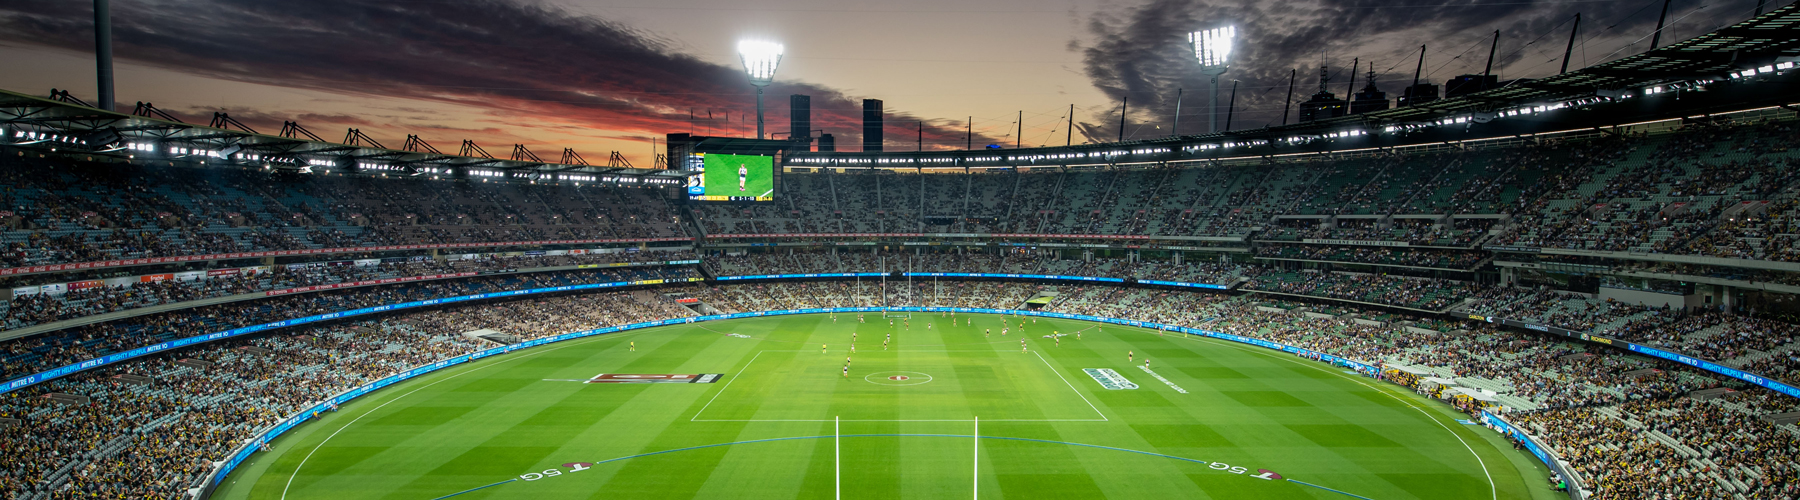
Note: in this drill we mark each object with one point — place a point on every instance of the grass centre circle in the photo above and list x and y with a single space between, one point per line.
897 378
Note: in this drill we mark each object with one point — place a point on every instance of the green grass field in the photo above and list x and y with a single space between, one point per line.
722 178
785 423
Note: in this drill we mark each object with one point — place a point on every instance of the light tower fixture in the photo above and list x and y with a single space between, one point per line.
1213 49
760 59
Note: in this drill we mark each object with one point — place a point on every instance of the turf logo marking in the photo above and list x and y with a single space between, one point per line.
1165 381
645 378
1109 379
897 378
533 476
573 467
1234 469
1263 474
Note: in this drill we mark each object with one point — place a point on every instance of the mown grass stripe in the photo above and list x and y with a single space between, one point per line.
1296 481
977 375
477 488
965 436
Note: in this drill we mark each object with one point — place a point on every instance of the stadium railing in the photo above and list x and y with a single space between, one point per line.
66 370
1759 380
1577 487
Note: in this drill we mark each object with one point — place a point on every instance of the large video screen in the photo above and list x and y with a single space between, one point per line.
726 177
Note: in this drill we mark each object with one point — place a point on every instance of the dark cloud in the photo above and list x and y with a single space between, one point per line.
330 118
523 61
1141 53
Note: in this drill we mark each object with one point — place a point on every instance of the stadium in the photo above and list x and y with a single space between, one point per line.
1577 284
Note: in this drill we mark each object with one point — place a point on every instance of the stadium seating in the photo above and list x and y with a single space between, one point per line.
37 353
1596 407
41 308
1378 257
1708 189
83 212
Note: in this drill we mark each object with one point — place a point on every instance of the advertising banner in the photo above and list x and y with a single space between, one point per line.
83 285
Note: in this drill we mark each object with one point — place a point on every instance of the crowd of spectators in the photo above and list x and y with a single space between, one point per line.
1759 345
149 439
1396 256
61 212
1673 193
37 308
1462 232
1632 427
1563 309
24 356
1410 292
1719 189
1009 262
1672 447
152 428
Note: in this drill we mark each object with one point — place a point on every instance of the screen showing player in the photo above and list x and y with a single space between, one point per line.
726 177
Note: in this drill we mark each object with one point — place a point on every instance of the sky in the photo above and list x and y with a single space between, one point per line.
598 76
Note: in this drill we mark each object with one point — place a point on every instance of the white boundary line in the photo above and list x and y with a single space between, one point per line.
837 459
296 473
1493 489
309 454
900 421
975 491
1078 393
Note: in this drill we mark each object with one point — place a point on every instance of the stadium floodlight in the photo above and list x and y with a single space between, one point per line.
760 59
1213 49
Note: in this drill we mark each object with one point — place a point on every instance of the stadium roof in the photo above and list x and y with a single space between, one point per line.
150 133
1770 42
1756 42
1766 41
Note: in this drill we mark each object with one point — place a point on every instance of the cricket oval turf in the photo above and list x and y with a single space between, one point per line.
944 411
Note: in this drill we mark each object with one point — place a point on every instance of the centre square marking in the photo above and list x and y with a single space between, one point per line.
897 378
805 386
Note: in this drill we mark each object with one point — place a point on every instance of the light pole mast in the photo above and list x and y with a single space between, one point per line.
760 59
103 56
1213 49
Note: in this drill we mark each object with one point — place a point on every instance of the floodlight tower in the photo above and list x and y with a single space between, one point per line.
760 59
1213 48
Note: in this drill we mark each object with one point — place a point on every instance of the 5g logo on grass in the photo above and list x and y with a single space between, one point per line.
573 467
1221 466
1263 474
